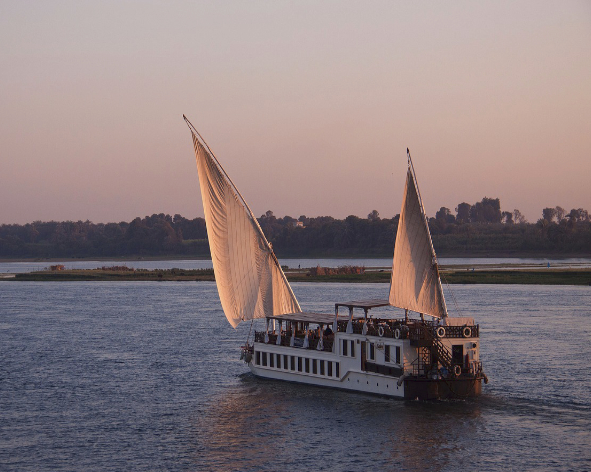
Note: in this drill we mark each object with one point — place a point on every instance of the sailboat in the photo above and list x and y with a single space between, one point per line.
421 354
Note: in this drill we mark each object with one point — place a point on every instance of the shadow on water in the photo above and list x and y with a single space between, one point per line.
259 424
269 425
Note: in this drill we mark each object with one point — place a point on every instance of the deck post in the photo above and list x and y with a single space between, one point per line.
278 342
350 322
335 325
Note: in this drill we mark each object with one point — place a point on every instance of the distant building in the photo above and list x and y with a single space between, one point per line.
299 224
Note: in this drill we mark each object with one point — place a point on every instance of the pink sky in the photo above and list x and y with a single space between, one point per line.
309 105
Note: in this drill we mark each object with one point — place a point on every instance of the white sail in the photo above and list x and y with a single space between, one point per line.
249 278
415 283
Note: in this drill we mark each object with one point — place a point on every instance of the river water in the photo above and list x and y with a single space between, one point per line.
146 376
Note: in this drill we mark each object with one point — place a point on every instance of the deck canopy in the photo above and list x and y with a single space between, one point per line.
365 304
308 317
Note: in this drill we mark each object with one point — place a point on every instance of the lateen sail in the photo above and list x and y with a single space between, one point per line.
249 278
415 283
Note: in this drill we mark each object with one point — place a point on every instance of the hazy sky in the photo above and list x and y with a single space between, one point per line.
309 105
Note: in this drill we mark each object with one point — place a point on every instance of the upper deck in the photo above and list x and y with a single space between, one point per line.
307 329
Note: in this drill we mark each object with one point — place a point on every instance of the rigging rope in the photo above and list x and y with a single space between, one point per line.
249 331
453 297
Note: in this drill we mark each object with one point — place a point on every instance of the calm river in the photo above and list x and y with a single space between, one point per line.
147 376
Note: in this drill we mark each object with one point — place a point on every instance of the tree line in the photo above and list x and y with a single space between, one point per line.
481 228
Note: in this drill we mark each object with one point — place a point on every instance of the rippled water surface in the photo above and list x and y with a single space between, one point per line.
146 376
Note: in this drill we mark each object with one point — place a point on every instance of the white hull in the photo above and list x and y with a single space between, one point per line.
339 369
357 381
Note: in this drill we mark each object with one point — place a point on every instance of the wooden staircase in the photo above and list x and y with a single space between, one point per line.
440 352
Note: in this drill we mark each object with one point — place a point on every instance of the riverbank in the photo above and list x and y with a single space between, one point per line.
513 276
109 274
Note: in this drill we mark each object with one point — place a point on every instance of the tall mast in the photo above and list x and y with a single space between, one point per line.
259 230
433 254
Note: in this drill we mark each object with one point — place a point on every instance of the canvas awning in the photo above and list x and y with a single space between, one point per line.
308 317
364 304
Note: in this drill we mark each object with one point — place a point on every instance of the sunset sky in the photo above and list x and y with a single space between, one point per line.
310 106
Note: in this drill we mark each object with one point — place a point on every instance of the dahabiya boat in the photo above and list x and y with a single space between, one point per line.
429 356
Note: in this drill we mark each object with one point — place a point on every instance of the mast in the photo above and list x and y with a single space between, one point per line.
415 284
434 255
249 278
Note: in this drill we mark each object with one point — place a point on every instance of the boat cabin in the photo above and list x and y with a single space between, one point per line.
354 350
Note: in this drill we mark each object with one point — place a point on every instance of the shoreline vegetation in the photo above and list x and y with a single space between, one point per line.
347 274
478 230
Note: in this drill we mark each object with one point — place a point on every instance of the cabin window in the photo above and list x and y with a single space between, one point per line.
348 348
372 352
338 368
265 359
321 367
258 357
299 364
292 362
397 354
307 365
314 367
271 360
330 369
285 362
387 353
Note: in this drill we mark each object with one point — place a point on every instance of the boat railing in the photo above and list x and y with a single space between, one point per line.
459 331
416 330
427 330
421 366
420 332
376 327
313 340
439 364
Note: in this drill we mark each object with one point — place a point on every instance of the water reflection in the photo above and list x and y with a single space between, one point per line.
269 425
436 435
